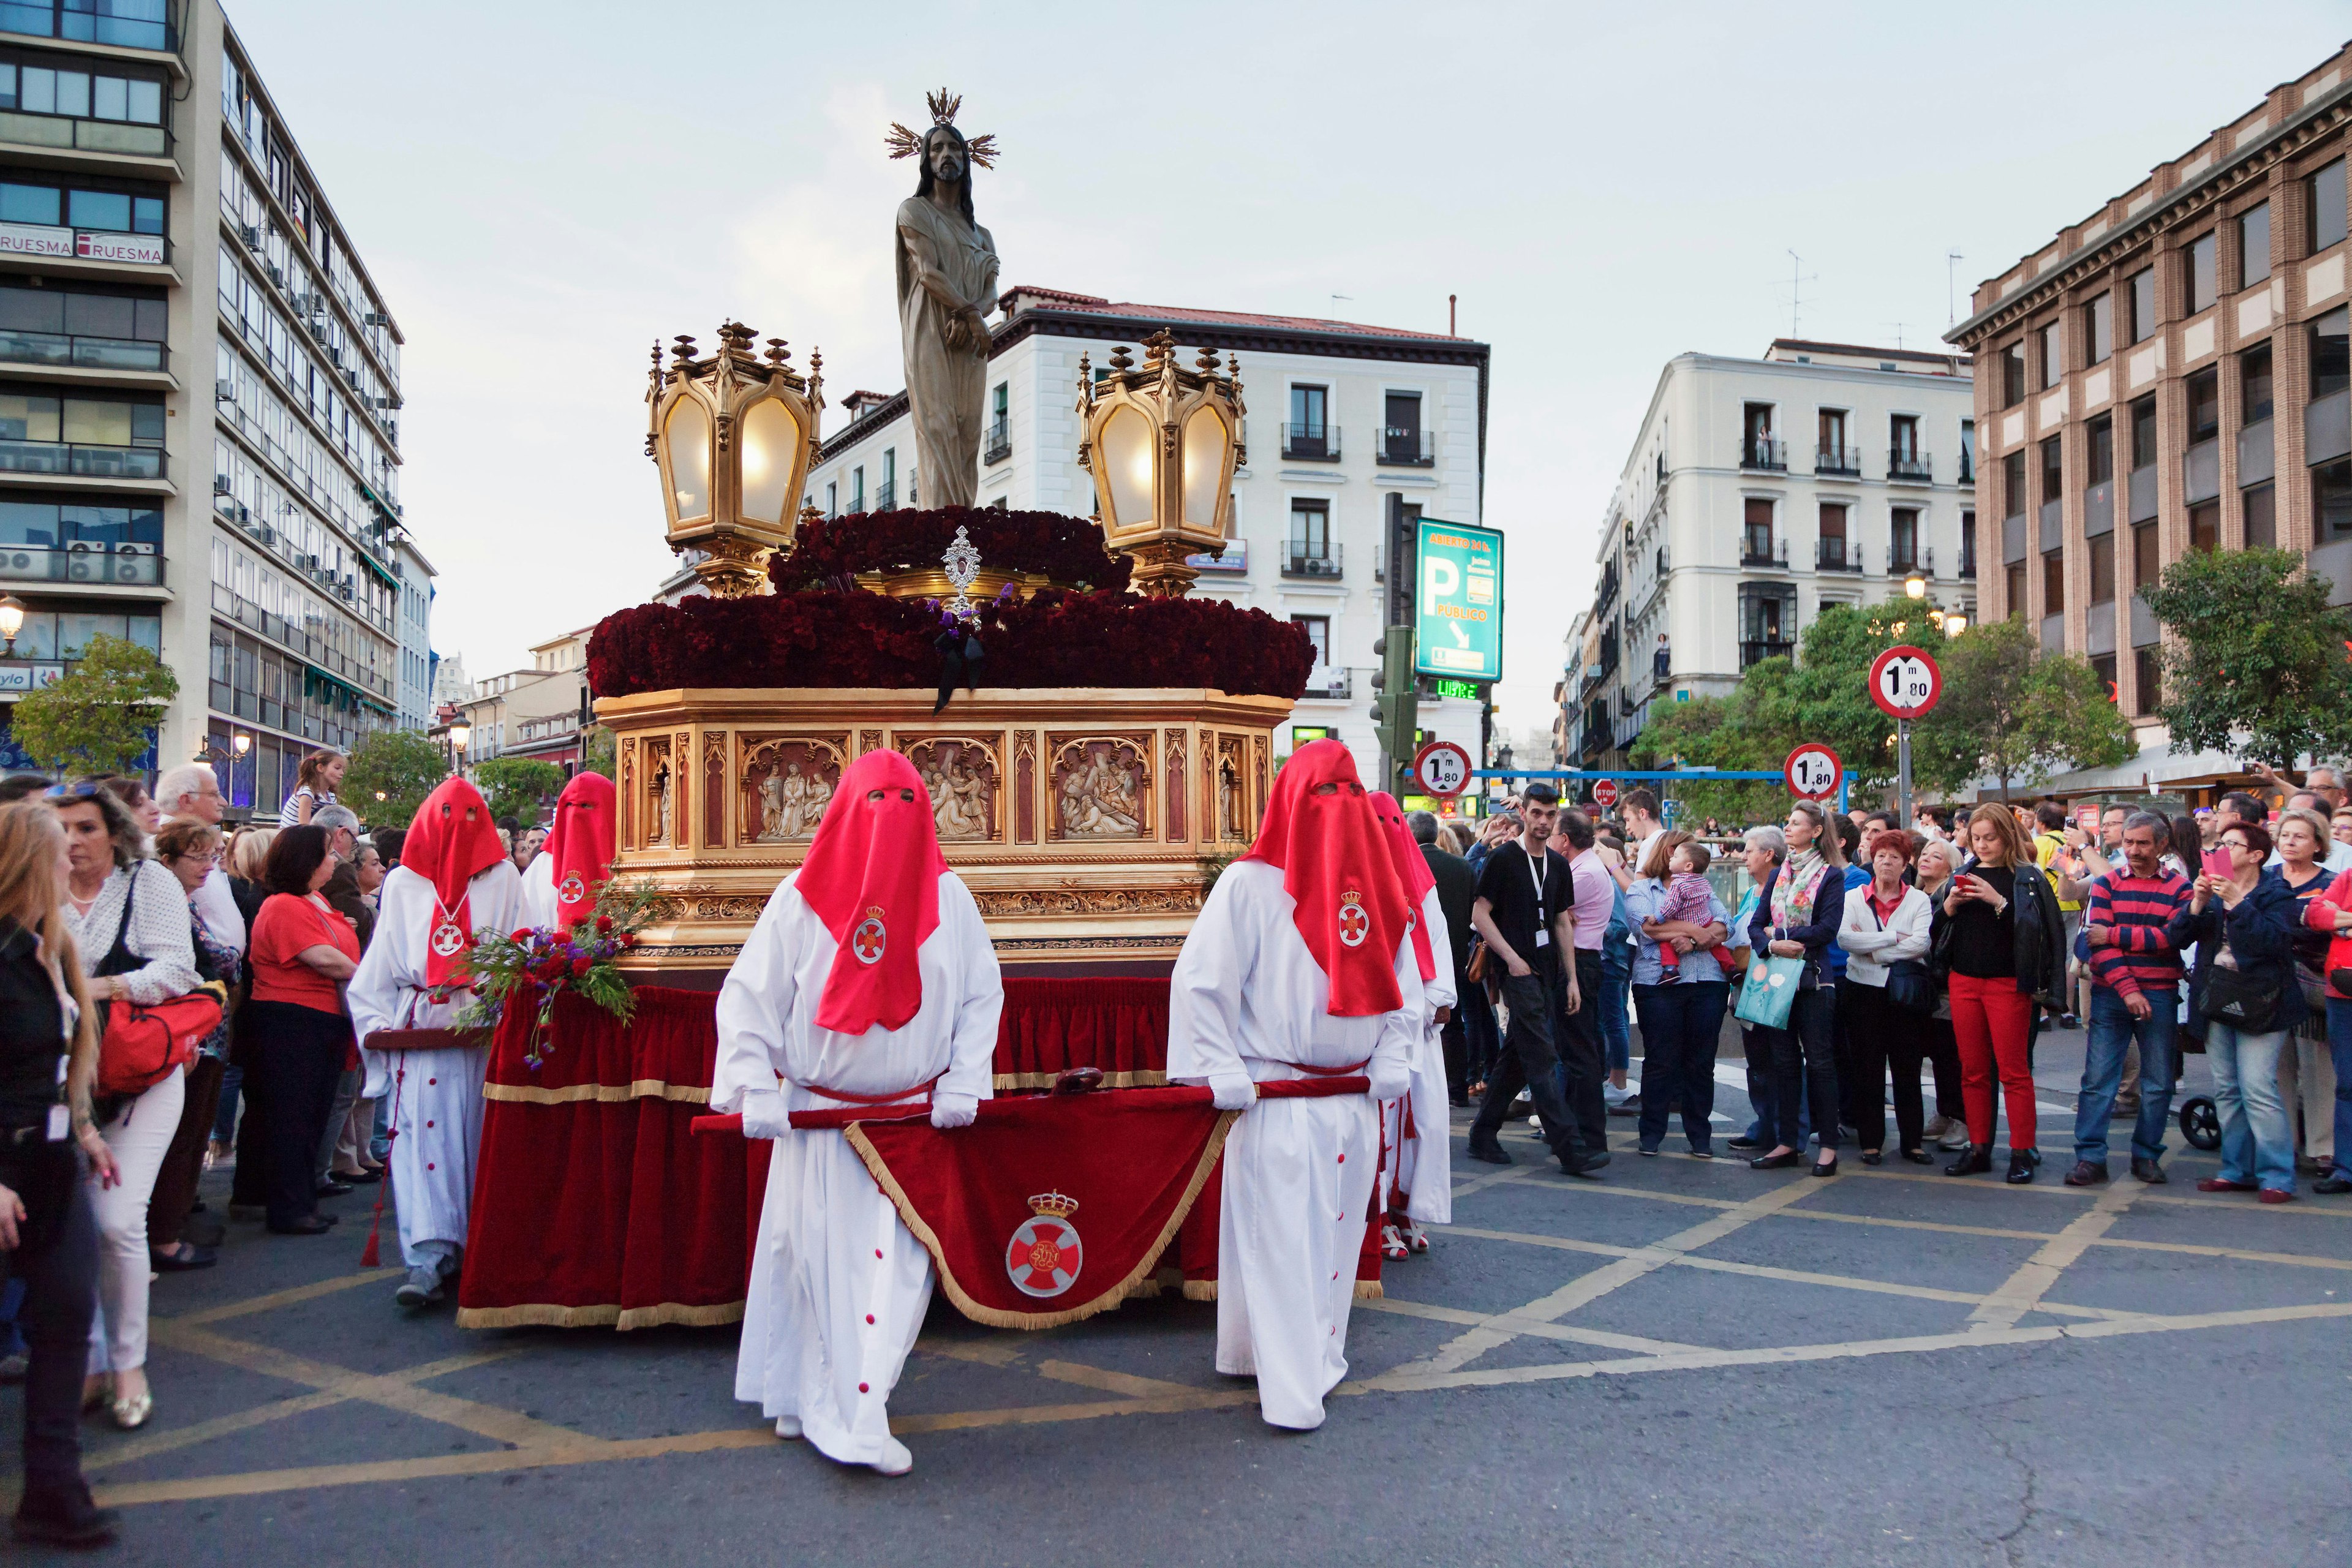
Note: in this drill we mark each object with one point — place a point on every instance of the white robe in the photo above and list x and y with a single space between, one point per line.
1247 1000
839 1285
538 907
1421 1166
437 1106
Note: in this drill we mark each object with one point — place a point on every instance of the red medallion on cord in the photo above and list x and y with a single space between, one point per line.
1321 833
450 842
571 889
1045 1256
871 938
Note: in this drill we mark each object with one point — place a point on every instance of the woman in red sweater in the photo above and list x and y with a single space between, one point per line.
301 953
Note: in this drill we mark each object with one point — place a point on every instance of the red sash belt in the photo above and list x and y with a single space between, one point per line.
1279 1089
1349 1071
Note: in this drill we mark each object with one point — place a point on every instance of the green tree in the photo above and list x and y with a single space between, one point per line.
2011 713
600 751
401 766
517 787
100 717
2258 666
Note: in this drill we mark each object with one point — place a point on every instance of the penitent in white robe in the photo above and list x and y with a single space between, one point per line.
437 1096
1247 1000
538 907
1422 1165
839 1285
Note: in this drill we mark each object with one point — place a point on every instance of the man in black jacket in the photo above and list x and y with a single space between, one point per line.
1457 889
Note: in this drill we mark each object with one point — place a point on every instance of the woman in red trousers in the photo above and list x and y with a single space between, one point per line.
2003 949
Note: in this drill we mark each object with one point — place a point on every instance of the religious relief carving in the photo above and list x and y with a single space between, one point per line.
1102 786
1233 804
680 826
787 784
964 780
1089 901
628 791
869 741
701 902
714 789
658 793
1171 747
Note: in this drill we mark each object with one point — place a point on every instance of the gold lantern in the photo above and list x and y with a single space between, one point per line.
1163 443
733 436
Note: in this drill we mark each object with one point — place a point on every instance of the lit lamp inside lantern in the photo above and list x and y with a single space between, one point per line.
12 620
1163 443
733 436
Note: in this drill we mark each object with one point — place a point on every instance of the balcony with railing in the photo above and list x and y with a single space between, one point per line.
1329 683
1905 467
999 445
886 496
1756 549
1968 555
1902 560
1836 555
82 460
1764 452
1967 467
131 24
1401 447
1839 460
62 349
135 565
1754 653
1316 562
1608 592
1311 443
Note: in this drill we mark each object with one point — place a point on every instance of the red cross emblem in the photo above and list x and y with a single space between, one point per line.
572 891
448 940
1354 924
1044 1253
869 939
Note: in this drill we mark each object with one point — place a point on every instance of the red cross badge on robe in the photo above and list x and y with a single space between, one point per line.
572 891
448 940
1044 1255
870 938
1354 924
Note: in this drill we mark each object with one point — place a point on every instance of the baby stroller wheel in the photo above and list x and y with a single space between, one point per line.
2201 1123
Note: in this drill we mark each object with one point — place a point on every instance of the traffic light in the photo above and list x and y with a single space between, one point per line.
1396 708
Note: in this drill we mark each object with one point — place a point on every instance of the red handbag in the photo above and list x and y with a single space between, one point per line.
140 1045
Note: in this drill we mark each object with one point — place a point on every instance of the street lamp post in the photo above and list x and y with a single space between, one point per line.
460 732
12 620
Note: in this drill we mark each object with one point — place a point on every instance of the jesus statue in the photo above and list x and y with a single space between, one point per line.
946 266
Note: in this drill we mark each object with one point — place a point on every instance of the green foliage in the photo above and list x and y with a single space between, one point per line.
98 718
401 765
534 966
600 751
517 787
2259 666
2015 713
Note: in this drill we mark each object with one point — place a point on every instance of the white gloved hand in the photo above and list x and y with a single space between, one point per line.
764 1115
951 1110
1237 1093
1396 1087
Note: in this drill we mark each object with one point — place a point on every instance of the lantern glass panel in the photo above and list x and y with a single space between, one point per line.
1204 468
688 433
1127 460
769 433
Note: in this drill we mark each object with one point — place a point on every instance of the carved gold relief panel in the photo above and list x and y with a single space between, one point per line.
659 789
1229 789
966 780
787 785
1102 787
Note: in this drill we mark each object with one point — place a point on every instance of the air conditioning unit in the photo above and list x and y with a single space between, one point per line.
250 233
376 318
318 325
267 534
17 560
225 391
220 484
85 568
133 547
245 518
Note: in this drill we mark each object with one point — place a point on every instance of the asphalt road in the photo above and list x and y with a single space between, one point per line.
1689 1362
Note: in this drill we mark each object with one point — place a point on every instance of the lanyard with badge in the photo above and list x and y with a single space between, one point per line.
1535 868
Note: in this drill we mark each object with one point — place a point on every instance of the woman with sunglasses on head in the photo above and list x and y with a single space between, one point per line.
2004 947
2245 993
130 920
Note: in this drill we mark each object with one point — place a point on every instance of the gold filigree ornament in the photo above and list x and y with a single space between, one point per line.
906 143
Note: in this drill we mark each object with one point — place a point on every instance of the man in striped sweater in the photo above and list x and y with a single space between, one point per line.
2135 979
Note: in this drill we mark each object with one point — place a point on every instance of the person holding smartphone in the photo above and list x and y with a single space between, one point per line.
2005 951
2245 992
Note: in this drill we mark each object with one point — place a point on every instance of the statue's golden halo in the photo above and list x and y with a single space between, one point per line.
906 143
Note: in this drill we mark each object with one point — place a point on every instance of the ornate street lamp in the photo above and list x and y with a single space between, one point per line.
12 620
733 436
1163 443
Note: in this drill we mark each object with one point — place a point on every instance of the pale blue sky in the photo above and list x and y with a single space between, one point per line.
541 190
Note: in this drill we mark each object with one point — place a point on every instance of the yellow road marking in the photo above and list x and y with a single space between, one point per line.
1527 1326
277 1299
2022 1292
1124 1382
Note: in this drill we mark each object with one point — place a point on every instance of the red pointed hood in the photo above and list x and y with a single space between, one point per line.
873 878
449 844
1320 830
1413 875
581 844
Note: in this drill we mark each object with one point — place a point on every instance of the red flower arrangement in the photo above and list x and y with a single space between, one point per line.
1069 549
815 639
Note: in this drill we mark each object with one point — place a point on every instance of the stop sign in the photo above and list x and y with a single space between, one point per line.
1604 793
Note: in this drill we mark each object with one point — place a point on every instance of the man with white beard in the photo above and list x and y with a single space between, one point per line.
1416 1132
1300 965
869 982
453 881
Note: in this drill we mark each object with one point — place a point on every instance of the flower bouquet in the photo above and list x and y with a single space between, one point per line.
532 966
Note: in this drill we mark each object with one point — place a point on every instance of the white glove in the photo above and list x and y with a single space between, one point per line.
1236 1093
951 1110
1397 1088
764 1115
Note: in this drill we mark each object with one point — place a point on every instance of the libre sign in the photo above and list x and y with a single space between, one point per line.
1458 612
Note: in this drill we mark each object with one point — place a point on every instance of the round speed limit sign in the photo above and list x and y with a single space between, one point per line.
1814 772
1442 768
1904 682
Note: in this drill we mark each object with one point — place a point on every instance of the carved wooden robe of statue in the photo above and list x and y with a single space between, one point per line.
946 385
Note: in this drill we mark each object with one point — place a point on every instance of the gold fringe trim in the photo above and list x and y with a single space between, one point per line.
1144 1079
1140 1281
1370 1290
602 1093
549 1315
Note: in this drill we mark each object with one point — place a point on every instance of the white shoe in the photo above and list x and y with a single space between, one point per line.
895 1459
1414 1237
1393 1247
1937 1127
1957 1138
788 1428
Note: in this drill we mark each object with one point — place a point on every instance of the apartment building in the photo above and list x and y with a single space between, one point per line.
1757 494
199 448
532 712
2173 373
1355 433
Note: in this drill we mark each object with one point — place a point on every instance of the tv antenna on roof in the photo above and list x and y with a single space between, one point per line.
1796 288
1898 332
1952 260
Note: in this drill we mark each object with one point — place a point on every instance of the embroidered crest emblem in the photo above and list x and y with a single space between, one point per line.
871 938
1044 1255
573 890
1354 924
448 940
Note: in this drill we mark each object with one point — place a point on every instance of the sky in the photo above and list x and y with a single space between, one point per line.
541 190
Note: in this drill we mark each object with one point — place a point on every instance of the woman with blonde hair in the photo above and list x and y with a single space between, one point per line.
2004 947
1797 916
49 1134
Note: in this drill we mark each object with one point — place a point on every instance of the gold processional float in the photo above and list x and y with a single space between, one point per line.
1087 821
